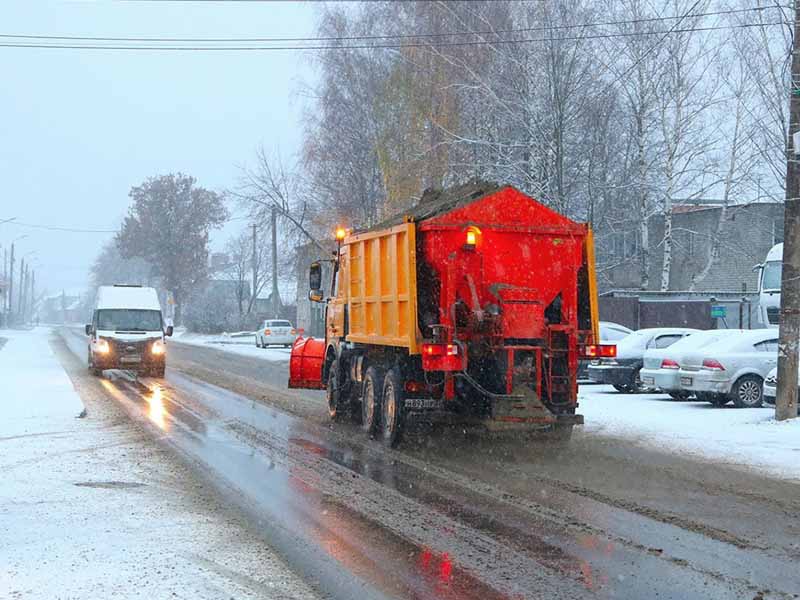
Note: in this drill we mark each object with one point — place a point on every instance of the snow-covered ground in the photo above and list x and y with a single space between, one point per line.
238 344
749 437
92 508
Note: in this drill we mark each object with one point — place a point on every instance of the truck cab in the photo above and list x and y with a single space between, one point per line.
769 287
127 331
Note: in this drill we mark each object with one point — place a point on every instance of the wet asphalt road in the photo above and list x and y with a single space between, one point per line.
453 515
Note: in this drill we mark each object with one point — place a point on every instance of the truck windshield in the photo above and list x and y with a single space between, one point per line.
129 319
771 279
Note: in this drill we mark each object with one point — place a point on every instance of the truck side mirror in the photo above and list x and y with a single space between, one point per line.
315 276
315 295
88 329
169 331
757 268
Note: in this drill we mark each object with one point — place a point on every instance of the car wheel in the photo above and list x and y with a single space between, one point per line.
371 401
747 392
682 396
622 389
393 409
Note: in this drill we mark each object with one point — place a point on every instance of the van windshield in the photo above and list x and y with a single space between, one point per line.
129 319
771 280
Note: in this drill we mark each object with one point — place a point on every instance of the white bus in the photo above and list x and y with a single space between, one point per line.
769 287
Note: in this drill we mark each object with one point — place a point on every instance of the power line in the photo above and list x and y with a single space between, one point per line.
384 46
386 36
56 228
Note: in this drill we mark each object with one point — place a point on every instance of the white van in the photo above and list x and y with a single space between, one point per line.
127 331
769 287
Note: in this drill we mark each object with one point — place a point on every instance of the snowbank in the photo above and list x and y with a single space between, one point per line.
747 437
235 344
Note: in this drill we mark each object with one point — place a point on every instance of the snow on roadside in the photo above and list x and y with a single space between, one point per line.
244 345
746 437
93 508
36 389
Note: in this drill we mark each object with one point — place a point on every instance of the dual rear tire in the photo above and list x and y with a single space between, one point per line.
382 403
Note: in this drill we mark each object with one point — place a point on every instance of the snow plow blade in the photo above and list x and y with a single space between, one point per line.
305 364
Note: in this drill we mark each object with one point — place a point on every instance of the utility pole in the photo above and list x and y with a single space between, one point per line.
21 287
254 291
5 281
11 286
32 296
786 400
276 299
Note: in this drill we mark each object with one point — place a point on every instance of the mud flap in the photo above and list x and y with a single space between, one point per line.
305 364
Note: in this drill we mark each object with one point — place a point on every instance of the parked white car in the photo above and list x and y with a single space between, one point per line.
275 332
613 332
733 368
771 385
661 365
623 371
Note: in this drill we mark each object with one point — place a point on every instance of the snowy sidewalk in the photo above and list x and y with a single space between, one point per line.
93 508
745 437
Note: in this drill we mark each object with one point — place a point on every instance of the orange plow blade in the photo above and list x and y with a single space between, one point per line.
305 364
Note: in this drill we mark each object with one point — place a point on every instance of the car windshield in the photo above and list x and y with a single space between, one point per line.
771 279
128 319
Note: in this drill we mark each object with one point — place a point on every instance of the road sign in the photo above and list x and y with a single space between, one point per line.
719 311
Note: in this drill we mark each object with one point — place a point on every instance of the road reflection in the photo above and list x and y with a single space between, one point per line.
156 412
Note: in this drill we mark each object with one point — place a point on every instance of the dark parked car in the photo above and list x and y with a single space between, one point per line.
623 371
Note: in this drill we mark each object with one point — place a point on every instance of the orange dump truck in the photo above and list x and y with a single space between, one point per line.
473 307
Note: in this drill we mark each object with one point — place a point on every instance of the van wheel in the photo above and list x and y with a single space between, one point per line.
258 345
747 392
371 401
393 410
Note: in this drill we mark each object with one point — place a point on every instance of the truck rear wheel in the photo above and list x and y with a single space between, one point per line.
371 401
337 409
393 410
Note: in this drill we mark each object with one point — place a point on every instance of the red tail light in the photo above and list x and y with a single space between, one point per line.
712 364
668 363
440 349
599 351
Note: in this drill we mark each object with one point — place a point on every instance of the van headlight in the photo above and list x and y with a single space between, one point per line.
102 347
158 348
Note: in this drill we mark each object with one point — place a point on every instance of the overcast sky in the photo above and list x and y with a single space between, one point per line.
78 128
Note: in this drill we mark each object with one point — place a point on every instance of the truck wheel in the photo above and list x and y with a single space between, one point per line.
393 413
371 401
333 393
747 392
158 371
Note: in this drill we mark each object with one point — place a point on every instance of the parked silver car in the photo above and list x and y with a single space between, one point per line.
661 365
733 368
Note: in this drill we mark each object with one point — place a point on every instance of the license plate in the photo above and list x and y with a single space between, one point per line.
424 404
686 381
130 359
648 380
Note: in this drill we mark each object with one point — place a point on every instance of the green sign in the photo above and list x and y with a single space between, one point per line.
718 311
